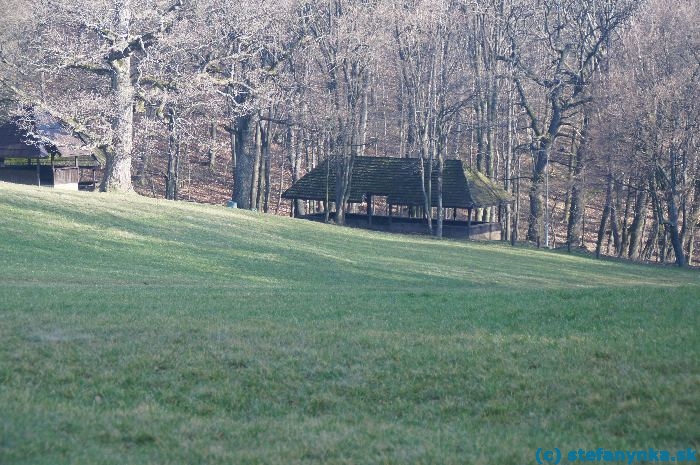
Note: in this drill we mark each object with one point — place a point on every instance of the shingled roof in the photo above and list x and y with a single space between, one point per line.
399 180
41 137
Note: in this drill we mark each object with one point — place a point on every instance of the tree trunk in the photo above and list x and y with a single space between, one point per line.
263 187
576 206
268 177
171 176
255 175
673 228
603 220
635 230
292 136
573 229
441 211
144 165
693 217
211 155
117 175
534 228
672 205
243 151
343 178
653 239
427 188
624 244
615 208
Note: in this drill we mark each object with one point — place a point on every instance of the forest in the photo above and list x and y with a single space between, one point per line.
587 111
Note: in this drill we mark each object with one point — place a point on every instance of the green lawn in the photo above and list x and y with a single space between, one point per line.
138 331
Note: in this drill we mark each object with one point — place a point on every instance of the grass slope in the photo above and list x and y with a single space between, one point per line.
138 331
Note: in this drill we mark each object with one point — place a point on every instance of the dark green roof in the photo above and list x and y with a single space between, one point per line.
399 180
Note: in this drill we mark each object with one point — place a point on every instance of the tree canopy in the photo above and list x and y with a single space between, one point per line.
587 111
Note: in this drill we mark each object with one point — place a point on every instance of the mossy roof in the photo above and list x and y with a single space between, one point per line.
42 136
399 179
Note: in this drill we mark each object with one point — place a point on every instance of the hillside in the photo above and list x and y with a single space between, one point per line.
135 330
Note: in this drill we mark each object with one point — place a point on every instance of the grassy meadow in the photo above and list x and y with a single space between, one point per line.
141 331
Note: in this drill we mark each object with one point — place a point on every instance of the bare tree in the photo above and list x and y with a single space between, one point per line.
555 66
657 120
430 47
79 42
345 34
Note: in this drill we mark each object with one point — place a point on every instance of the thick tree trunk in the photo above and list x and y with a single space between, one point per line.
540 150
672 205
576 205
635 230
243 150
535 223
117 175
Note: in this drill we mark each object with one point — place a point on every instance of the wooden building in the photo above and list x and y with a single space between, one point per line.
397 182
39 150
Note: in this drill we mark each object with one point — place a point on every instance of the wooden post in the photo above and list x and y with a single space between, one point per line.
469 223
391 213
38 173
53 172
370 208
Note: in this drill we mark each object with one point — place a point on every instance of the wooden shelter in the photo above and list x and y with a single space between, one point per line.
400 182
40 150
